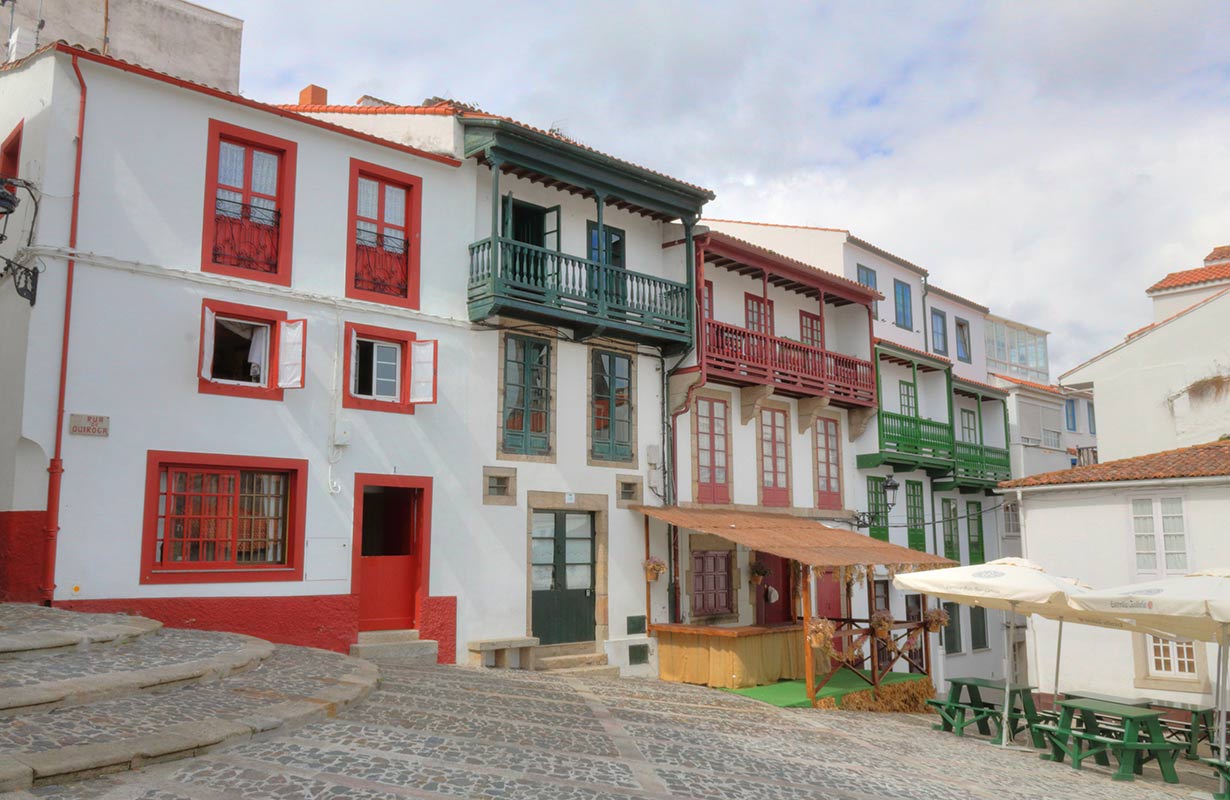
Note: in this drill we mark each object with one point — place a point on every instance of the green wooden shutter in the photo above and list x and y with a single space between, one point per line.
611 406
973 527
877 505
915 520
952 544
527 395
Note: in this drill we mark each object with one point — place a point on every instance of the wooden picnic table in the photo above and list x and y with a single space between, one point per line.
1142 740
958 713
1107 698
1199 728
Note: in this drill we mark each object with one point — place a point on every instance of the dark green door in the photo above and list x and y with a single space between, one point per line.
562 573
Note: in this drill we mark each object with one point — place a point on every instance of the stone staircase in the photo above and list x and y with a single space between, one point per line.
88 694
402 647
580 658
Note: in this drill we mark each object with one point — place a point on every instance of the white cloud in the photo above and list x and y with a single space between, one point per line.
1050 159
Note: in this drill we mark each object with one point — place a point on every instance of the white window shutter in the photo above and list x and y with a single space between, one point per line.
423 371
292 348
207 344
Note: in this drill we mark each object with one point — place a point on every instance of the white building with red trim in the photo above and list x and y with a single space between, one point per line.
298 417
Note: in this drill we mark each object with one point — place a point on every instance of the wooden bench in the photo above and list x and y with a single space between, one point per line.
1135 754
954 716
495 652
1222 770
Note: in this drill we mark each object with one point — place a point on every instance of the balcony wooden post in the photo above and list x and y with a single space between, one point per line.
496 205
602 276
809 664
823 343
871 638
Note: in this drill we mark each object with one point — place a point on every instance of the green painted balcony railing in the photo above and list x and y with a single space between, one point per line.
552 281
982 462
916 436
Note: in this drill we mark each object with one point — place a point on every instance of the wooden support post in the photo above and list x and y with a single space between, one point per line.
648 607
926 637
809 665
871 609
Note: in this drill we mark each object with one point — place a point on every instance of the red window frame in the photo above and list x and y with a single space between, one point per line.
774 478
828 453
267 316
706 301
223 572
10 153
411 227
286 151
714 444
811 329
712 583
392 336
758 313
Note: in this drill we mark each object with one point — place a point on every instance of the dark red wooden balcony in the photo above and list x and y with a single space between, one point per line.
737 355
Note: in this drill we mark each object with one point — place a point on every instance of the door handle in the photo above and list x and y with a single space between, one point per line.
589 592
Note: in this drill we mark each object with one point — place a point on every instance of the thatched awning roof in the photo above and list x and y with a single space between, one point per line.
803 540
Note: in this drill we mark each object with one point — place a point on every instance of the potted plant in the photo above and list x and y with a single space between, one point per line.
935 619
654 567
820 636
881 623
759 570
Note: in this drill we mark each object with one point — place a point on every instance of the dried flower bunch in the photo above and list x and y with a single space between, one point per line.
654 565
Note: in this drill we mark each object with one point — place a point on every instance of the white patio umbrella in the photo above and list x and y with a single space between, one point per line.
1006 584
1195 606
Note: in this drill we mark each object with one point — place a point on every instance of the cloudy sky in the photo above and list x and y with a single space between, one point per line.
1049 159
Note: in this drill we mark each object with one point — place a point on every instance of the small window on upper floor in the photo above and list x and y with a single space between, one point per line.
382 257
706 300
249 204
758 314
939 332
388 369
963 341
1093 428
867 277
247 351
10 153
903 304
811 329
611 250
1069 413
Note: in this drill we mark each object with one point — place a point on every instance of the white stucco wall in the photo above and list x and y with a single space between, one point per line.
1087 534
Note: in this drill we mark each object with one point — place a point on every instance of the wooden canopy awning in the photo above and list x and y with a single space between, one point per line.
803 540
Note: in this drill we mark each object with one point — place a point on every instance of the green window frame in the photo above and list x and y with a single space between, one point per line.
969 426
904 304
973 532
915 519
610 406
877 507
907 393
527 396
939 331
952 535
978 628
952 631
616 239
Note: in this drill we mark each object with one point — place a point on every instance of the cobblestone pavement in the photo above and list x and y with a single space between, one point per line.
457 732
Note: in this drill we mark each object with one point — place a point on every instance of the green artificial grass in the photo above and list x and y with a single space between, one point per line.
793 694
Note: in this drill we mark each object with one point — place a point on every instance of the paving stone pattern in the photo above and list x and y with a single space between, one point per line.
455 732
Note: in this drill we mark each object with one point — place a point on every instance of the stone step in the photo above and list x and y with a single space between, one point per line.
415 651
388 637
569 649
32 629
294 686
39 680
569 662
597 671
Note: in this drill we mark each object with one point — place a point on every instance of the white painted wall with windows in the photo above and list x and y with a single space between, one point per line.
1113 535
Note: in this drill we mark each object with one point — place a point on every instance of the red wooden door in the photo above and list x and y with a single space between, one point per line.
773 602
828 602
389 564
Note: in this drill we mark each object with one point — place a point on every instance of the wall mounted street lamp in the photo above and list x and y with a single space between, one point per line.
864 519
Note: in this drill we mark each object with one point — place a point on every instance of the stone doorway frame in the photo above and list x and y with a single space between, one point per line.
598 505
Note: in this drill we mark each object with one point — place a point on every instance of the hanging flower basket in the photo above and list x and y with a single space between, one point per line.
759 570
936 619
882 623
654 567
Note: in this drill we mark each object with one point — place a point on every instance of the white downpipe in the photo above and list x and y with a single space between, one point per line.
1058 651
1009 630
1221 703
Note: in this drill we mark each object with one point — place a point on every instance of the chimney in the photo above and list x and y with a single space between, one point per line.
313 95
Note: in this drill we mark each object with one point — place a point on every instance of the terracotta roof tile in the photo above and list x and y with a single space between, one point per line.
466 111
933 289
831 277
1042 387
773 225
1198 461
916 351
1192 277
999 390
1221 253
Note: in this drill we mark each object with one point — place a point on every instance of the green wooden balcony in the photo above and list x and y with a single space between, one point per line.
520 280
912 443
980 464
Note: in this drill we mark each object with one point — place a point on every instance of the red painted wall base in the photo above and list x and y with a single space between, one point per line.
21 555
438 622
328 621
